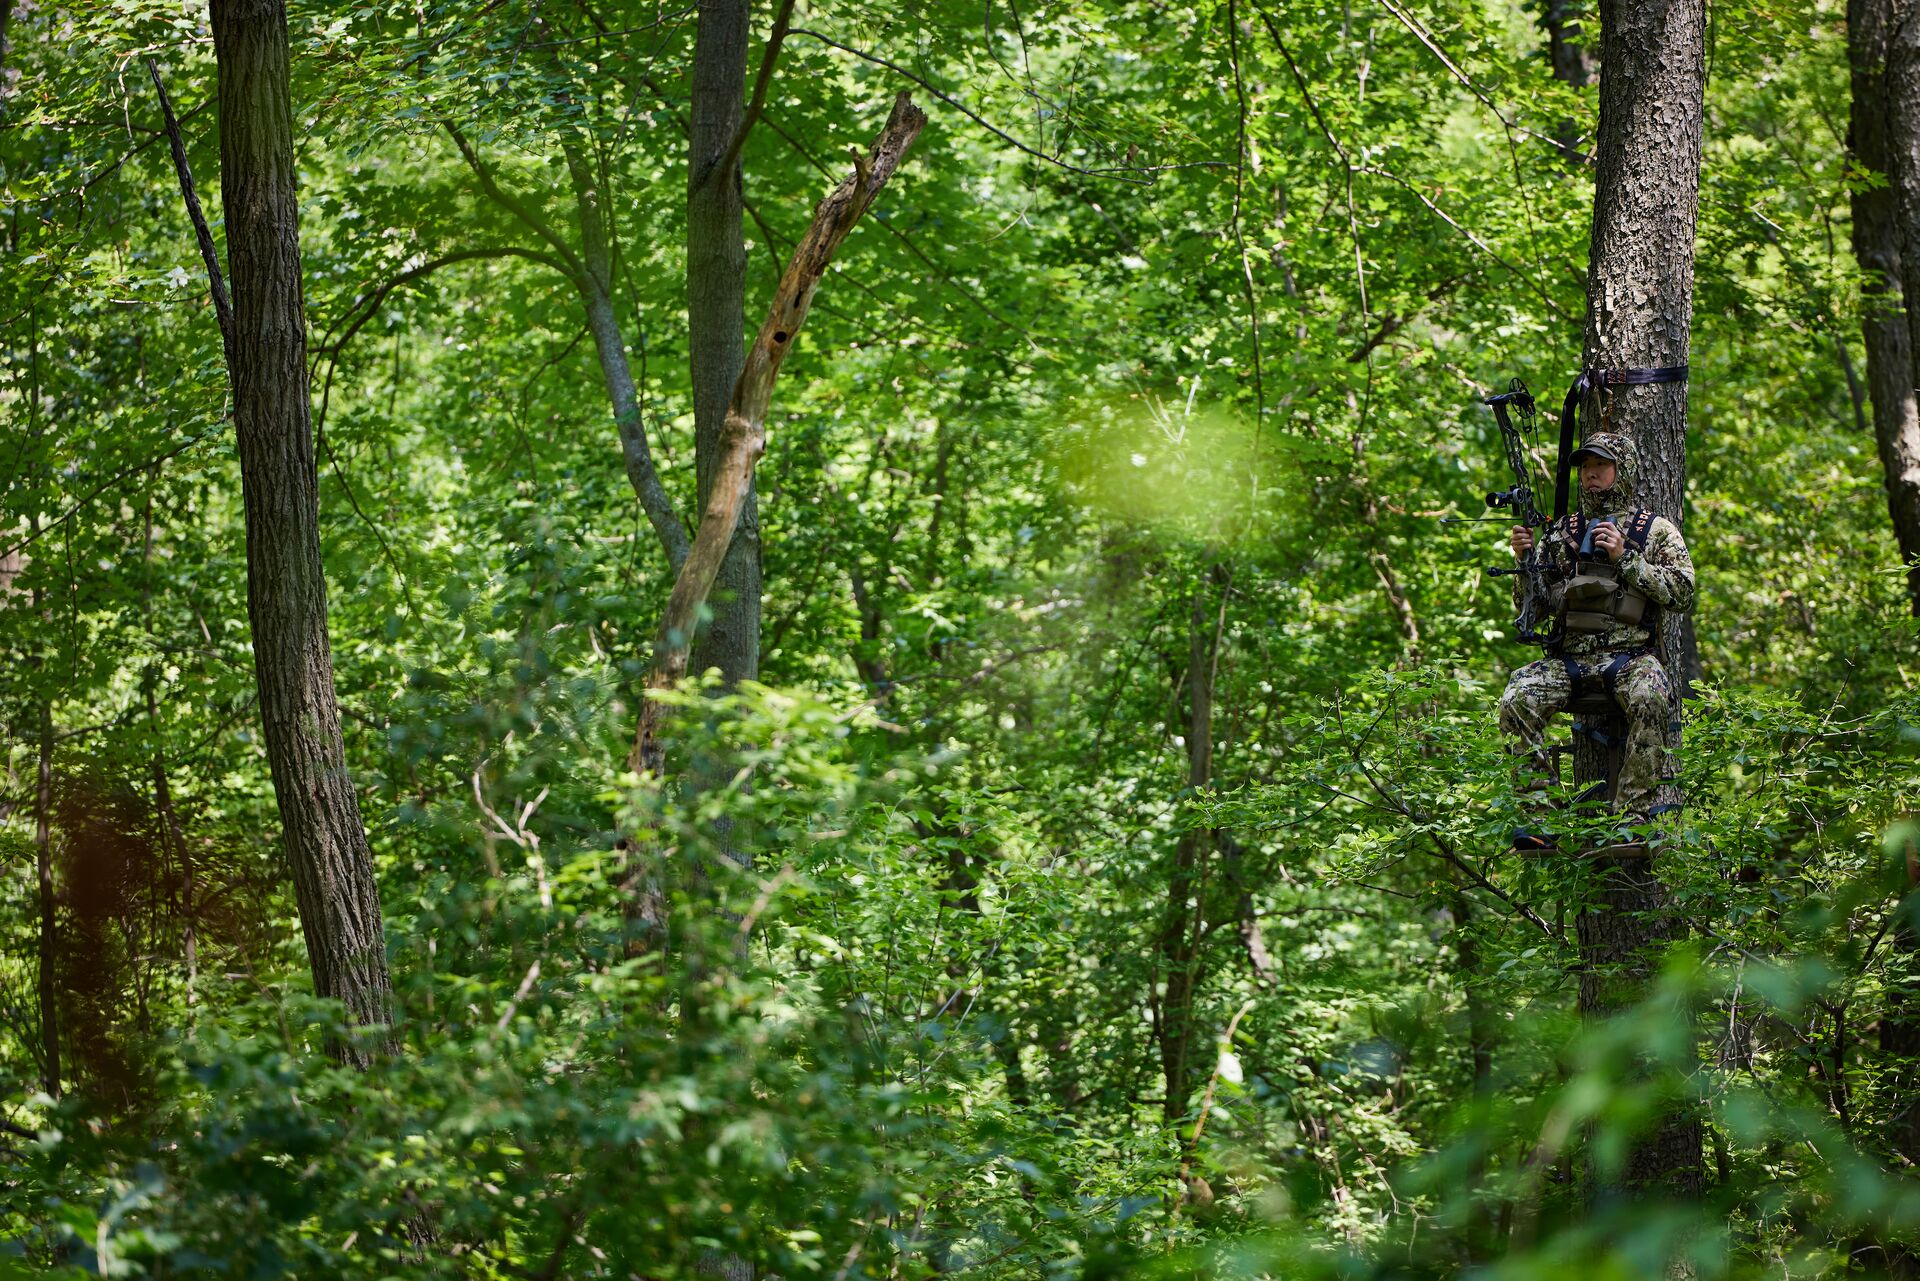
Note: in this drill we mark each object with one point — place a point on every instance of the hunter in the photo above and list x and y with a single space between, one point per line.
1611 570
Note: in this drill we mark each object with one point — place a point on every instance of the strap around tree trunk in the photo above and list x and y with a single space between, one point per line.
1569 411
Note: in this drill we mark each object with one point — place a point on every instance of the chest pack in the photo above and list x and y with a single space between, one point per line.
1593 597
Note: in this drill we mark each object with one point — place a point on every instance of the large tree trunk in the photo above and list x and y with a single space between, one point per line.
1639 314
716 323
1884 46
1885 135
333 879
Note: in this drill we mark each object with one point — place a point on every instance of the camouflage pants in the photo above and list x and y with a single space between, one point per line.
1644 696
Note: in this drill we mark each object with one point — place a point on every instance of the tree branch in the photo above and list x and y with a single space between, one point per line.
1114 173
1472 239
216 282
758 103
103 486
610 347
514 205
363 309
744 437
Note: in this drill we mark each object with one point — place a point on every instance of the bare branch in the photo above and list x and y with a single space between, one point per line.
216 282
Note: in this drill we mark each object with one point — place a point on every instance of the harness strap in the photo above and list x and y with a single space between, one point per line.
1572 670
1613 670
1639 528
1570 409
1587 729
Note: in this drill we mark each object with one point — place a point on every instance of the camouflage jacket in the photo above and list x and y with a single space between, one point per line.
1663 572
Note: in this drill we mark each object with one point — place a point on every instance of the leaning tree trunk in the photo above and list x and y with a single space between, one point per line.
716 323
333 879
1639 313
1884 43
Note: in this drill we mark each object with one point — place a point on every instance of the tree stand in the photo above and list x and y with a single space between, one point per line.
1599 720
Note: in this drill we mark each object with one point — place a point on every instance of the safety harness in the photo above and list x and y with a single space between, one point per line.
1570 410
1594 597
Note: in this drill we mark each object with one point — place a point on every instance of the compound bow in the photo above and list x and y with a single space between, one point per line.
1534 606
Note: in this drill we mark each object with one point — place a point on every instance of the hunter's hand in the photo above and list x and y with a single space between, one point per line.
1610 540
1522 540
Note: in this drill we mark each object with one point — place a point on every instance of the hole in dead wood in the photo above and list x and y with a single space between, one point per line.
779 335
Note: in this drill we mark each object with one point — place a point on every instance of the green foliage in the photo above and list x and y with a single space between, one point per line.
1028 460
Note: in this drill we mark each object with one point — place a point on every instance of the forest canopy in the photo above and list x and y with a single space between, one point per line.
789 641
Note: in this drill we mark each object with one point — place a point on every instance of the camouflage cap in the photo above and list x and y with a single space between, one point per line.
1603 445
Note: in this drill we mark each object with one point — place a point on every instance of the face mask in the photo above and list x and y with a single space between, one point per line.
1618 497
1602 502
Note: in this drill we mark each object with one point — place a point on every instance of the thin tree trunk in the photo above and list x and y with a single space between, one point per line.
1886 240
716 351
171 839
590 272
333 877
1568 52
716 323
43 787
610 347
1180 929
1571 58
1639 314
43 865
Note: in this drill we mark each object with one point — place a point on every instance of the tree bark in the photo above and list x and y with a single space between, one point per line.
716 323
1885 136
1639 314
327 848
1883 45
746 436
